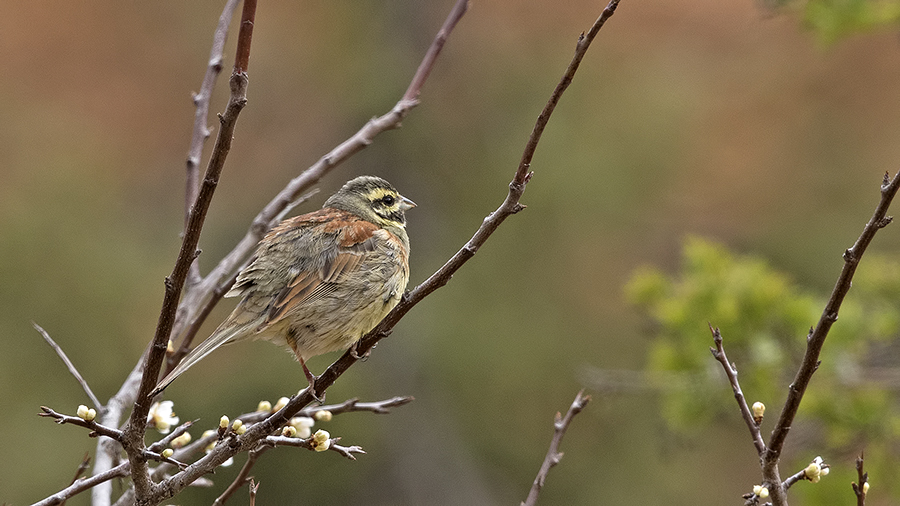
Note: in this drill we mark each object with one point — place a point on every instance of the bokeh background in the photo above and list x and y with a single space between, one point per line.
712 118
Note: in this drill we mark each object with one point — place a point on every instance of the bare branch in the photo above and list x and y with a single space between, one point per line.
254 488
350 405
415 86
82 467
243 477
79 486
719 353
96 428
200 133
59 351
816 339
860 489
560 425
137 423
344 451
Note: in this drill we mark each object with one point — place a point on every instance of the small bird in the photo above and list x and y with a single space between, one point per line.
322 280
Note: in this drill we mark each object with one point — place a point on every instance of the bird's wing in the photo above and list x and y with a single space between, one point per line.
353 240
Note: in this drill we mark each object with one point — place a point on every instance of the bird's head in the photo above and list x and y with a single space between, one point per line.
372 199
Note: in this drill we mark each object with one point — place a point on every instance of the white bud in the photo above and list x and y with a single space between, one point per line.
323 415
282 402
168 452
181 440
264 406
85 413
321 440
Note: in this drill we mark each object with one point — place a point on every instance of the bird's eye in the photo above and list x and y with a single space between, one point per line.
387 200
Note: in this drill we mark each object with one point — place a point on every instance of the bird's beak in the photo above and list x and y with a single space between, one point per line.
406 204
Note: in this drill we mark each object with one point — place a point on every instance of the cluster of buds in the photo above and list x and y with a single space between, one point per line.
816 470
85 413
761 491
320 441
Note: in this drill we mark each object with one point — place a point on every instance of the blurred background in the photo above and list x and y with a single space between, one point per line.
716 119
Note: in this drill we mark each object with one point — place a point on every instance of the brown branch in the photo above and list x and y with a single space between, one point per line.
82 467
584 42
254 488
137 423
731 371
200 133
415 86
120 471
245 37
816 339
96 428
59 351
344 451
860 489
243 477
351 405
560 425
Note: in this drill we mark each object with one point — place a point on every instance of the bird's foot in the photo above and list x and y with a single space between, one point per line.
355 354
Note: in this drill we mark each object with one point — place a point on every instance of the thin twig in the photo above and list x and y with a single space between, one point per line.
243 477
200 133
731 371
344 451
794 478
350 405
96 428
254 488
59 351
860 489
82 467
560 425
816 339
79 486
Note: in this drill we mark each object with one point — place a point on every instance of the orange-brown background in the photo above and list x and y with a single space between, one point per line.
703 117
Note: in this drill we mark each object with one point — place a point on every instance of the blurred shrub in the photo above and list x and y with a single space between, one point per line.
834 19
764 317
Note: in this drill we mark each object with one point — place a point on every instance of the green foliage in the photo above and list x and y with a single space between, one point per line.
835 19
764 318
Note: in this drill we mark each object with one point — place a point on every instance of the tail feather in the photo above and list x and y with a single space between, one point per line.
212 343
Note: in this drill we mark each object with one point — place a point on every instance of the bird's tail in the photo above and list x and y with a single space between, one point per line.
223 335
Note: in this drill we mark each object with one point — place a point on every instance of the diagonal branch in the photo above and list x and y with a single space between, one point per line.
862 488
719 353
200 133
560 425
120 471
133 440
816 339
59 351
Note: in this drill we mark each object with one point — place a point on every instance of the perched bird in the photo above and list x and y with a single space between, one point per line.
320 281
